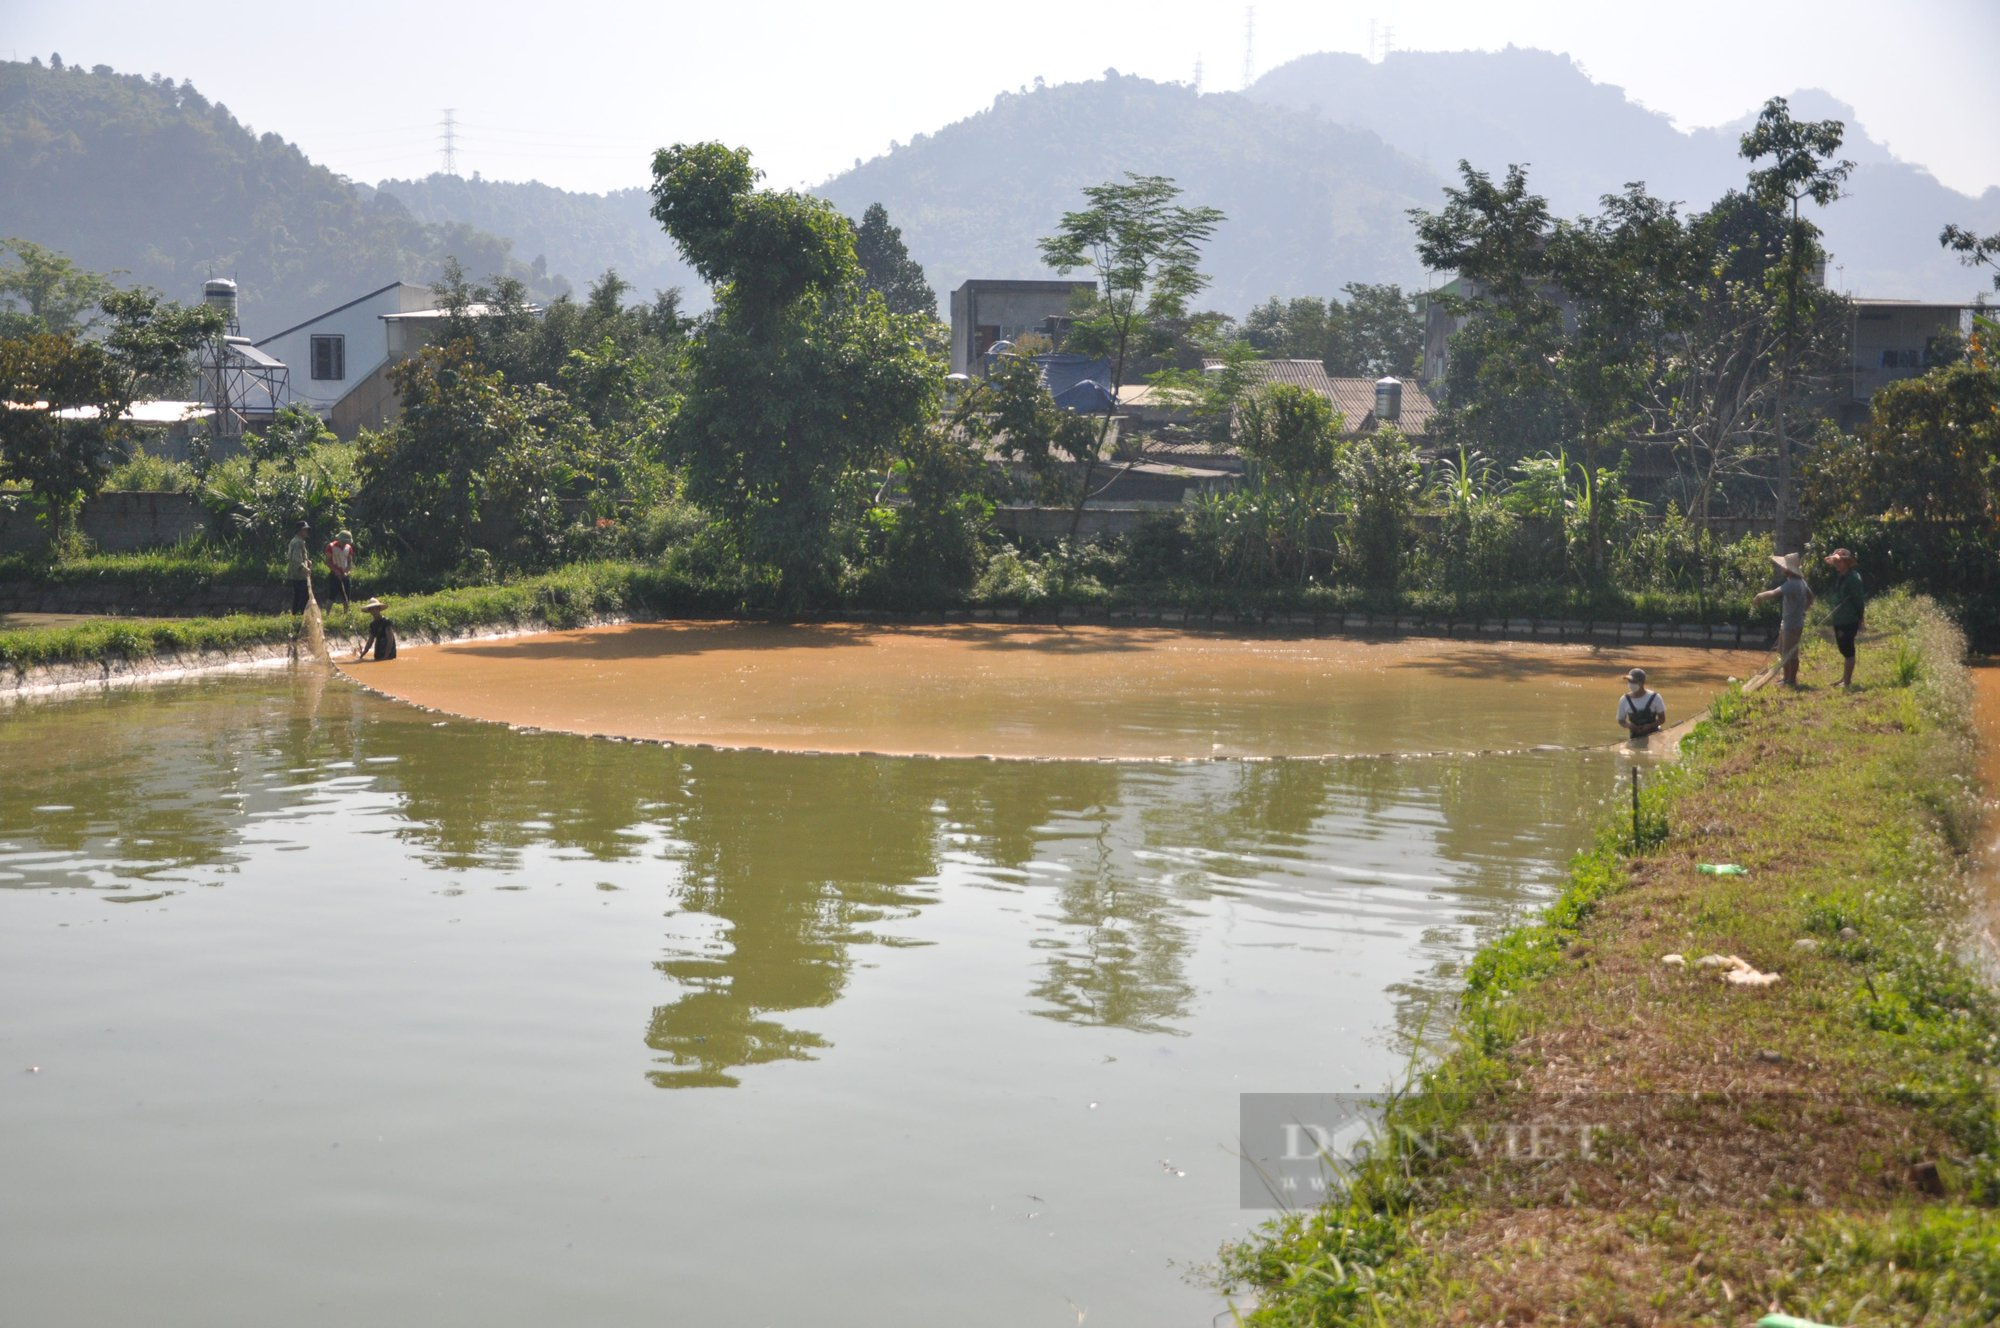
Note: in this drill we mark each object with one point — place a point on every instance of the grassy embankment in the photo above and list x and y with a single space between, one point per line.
1827 1145
153 584
567 598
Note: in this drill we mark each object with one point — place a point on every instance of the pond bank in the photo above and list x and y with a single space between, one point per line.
112 650
1704 1149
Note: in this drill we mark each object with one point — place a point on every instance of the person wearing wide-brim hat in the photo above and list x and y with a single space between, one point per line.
1847 607
1794 597
1641 711
381 633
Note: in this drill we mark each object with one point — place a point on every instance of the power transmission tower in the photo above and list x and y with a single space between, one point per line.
1388 40
1249 45
1197 73
450 140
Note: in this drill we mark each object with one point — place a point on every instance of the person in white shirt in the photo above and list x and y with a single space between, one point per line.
1641 711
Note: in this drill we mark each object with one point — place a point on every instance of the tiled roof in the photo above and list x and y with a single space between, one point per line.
1354 398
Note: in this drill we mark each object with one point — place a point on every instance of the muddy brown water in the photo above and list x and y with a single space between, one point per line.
1084 692
320 1009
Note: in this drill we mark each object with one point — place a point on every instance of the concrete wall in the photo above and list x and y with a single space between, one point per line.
114 522
1010 308
1899 335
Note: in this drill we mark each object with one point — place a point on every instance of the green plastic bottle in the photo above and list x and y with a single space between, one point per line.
1722 869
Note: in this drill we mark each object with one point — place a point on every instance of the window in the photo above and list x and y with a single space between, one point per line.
1902 359
329 358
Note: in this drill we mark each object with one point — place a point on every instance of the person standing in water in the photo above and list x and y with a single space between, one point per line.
339 569
1641 711
381 634
1794 597
1847 607
298 568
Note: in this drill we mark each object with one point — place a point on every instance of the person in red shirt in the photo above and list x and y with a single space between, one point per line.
339 568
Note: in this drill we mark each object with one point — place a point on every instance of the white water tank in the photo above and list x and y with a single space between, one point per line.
219 294
1388 399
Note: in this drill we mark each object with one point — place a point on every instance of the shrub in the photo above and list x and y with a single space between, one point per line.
142 472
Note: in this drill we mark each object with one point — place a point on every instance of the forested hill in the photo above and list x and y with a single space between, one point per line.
1311 205
1581 140
577 235
121 172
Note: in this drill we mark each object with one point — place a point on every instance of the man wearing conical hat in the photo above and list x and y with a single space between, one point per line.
1794 597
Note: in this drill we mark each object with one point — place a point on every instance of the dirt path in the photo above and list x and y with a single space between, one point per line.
1986 718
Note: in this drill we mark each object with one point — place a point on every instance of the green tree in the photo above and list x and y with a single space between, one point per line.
888 269
155 340
1145 249
1974 249
60 399
801 381
1502 389
1011 412
1292 434
42 291
1376 331
1927 461
1800 152
66 431
1382 480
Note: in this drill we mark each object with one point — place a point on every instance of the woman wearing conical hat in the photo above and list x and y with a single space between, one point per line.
1794 597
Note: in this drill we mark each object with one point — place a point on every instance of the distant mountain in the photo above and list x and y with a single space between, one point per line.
117 171
1311 205
577 235
1316 167
1581 140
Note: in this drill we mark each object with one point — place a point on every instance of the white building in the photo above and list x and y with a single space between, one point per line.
339 360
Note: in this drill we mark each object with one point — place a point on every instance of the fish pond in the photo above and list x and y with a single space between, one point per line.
317 1007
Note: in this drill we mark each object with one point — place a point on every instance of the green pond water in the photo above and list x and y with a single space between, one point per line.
319 1009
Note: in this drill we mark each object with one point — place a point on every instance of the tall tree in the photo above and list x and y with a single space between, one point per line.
1145 248
42 291
1502 391
1802 167
888 269
800 381
1375 331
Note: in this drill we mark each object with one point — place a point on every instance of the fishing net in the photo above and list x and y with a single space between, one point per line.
315 634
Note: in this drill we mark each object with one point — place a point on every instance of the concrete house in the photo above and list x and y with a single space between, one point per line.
985 310
339 360
1893 339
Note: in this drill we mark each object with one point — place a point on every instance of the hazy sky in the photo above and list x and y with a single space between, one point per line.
579 94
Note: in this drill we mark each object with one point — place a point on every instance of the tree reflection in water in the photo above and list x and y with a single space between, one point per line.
791 862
